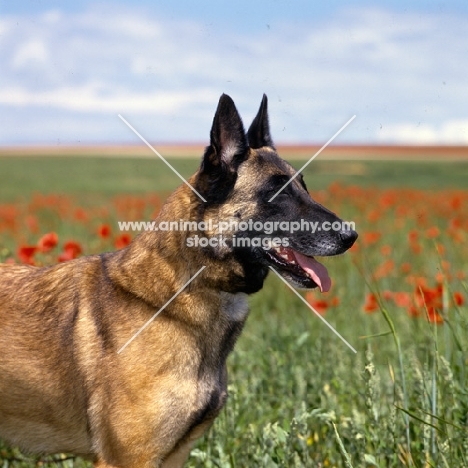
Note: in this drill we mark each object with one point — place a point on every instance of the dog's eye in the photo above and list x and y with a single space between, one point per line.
285 193
277 184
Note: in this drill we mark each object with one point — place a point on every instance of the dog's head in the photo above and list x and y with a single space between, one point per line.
260 208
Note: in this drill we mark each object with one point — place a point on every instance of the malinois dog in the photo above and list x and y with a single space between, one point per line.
64 385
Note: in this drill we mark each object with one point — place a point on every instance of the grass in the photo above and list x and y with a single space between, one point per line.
298 396
23 176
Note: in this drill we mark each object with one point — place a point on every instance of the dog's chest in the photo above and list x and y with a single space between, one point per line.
226 328
234 307
212 374
219 342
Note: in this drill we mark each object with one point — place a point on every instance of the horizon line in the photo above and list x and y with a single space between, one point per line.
289 151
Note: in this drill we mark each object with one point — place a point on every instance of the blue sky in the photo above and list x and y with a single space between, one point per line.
68 69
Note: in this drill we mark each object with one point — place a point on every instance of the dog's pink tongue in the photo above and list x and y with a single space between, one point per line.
316 271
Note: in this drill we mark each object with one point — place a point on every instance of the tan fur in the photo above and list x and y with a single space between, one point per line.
64 387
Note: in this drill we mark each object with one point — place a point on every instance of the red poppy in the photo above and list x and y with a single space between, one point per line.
335 301
405 267
73 247
385 268
434 316
371 305
458 298
47 242
65 256
402 299
104 231
456 202
388 198
80 215
374 216
321 305
71 250
387 295
440 248
416 248
417 281
32 223
413 235
428 300
456 223
429 297
433 232
122 241
26 254
371 237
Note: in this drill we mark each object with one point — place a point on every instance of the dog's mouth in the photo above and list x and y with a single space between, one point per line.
299 269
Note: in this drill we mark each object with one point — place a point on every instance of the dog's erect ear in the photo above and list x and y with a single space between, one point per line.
228 143
228 149
259 131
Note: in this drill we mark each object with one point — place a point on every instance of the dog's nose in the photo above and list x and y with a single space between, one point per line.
348 237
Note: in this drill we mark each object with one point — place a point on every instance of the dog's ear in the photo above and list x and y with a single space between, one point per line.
228 143
259 132
228 149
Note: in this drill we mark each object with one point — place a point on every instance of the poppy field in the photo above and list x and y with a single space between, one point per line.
299 397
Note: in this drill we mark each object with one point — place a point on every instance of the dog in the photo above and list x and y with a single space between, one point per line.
64 385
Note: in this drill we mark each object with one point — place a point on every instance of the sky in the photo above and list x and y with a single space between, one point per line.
67 69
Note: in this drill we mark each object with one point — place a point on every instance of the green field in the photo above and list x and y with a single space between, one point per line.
299 397
22 176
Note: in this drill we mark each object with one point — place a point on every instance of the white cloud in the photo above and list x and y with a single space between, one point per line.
30 53
403 74
97 98
126 25
452 132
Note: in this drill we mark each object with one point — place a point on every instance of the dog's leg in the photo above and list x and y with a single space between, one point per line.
178 457
102 464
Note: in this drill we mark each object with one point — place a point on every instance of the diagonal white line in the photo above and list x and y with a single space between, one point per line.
161 309
312 158
313 310
158 154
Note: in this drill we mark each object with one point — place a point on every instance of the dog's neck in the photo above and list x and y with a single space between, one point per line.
140 265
